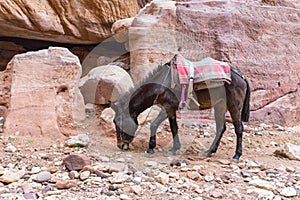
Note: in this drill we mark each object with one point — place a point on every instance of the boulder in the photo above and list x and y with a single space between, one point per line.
44 95
260 41
104 84
63 21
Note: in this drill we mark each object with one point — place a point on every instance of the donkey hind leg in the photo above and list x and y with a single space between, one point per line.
174 129
220 111
153 128
238 128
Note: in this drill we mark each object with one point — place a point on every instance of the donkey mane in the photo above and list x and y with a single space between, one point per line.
126 96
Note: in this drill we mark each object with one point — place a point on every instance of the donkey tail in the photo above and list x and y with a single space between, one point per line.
246 105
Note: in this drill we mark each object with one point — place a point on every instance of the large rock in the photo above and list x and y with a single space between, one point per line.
151 38
261 41
44 95
105 84
81 21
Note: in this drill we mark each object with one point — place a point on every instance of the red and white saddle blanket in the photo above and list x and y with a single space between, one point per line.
201 71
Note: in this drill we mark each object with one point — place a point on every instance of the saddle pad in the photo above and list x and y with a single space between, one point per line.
206 69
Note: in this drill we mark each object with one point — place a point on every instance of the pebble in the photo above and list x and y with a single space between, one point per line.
259 183
65 184
152 164
193 175
81 140
84 175
288 192
12 176
162 178
43 177
10 148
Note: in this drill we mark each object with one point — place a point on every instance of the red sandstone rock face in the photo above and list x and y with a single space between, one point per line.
44 98
261 41
80 21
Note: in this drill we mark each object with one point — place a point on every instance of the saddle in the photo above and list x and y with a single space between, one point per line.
205 74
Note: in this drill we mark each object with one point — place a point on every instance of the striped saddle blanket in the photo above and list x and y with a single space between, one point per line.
205 70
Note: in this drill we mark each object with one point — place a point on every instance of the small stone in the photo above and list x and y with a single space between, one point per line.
137 180
245 173
116 167
290 169
104 159
73 174
262 193
101 174
121 160
76 162
124 197
119 177
216 194
209 178
12 176
152 164
259 183
162 178
88 168
30 195
136 189
66 184
27 187
251 164
174 175
35 170
84 175
288 192
81 140
193 175
290 151
224 162
43 177
4 190
10 149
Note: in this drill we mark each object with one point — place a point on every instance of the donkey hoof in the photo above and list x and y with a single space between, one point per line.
172 152
236 158
150 151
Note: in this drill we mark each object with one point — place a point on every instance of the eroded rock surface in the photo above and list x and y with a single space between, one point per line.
44 94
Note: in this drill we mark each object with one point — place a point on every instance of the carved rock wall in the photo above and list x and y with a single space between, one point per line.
261 41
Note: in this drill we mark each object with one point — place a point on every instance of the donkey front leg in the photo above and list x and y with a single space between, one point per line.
153 128
174 129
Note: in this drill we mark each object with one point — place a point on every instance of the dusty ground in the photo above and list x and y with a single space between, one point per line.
259 144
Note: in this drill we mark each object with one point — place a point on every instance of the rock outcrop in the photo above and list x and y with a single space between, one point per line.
261 41
80 22
44 95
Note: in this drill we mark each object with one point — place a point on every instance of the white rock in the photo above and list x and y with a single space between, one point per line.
262 194
288 192
290 151
84 175
10 148
12 176
152 164
162 178
259 183
78 140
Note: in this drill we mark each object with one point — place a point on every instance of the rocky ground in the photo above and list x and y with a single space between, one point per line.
34 168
